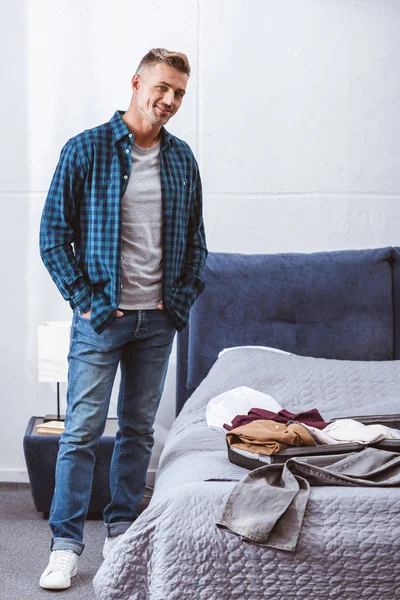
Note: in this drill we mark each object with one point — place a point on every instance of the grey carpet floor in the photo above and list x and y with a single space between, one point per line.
25 547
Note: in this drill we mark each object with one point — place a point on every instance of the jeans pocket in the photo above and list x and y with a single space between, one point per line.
80 315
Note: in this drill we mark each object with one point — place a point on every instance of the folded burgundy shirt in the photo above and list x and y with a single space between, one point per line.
308 417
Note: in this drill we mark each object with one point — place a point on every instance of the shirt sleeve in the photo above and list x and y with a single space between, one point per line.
196 247
57 230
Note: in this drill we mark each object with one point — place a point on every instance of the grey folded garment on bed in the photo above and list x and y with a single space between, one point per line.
268 505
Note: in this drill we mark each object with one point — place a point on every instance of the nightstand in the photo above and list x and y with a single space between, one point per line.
41 455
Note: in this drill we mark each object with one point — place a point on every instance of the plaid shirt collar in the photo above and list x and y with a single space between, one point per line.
120 130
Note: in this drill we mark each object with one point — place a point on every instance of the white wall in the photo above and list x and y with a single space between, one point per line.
292 112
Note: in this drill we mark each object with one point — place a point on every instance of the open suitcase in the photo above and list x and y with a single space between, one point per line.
247 462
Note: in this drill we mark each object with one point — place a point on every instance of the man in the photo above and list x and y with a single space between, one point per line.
127 195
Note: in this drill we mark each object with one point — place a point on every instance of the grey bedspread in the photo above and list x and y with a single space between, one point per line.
349 545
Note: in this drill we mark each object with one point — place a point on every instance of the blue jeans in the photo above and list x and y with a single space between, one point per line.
141 342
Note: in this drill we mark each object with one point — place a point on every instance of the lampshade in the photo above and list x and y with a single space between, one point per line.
53 348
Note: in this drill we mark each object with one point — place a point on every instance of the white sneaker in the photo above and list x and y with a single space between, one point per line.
62 566
109 544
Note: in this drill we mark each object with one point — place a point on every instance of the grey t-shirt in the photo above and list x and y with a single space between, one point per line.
141 213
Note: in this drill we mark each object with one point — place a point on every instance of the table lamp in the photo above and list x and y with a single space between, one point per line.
53 347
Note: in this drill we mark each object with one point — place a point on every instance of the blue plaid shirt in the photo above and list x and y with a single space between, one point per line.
80 231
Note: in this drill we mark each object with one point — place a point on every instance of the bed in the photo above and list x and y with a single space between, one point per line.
336 316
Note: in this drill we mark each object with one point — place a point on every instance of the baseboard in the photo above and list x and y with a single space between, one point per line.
14 476
21 476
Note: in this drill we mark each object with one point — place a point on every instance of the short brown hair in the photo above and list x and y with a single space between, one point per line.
177 60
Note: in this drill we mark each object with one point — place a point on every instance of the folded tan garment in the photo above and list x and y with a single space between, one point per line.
268 437
50 428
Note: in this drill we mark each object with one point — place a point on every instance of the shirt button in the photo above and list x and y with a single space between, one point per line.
127 150
125 176
130 135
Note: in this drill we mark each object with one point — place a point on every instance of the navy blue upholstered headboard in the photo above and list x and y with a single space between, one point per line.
339 304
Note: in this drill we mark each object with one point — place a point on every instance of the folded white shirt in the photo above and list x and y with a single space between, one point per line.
238 401
349 430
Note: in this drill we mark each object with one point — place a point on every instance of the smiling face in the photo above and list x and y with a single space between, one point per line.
158 92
